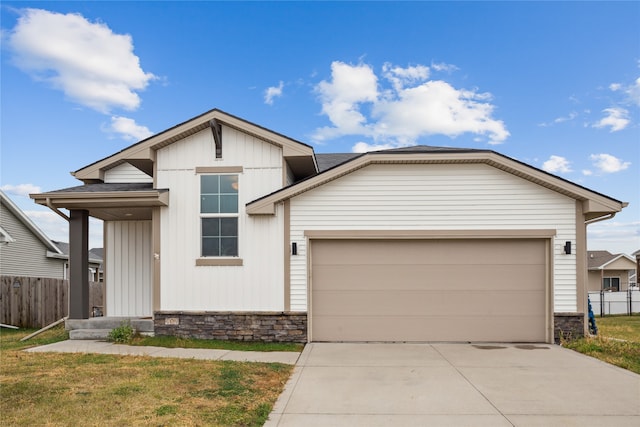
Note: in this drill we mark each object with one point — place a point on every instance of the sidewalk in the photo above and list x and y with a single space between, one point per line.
103 347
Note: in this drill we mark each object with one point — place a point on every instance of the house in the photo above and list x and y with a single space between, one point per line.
220 228
610 272
96 273
25 251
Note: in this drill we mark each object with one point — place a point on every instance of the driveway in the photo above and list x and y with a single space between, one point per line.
455 385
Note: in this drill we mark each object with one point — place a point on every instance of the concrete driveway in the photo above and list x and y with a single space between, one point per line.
455 385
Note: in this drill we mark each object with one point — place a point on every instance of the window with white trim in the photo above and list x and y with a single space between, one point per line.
219 215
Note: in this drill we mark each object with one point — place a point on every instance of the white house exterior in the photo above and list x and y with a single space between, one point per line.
220 228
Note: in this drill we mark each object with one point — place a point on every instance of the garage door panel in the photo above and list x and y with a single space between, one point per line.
439 303
407 277
428 290
437 252
435 328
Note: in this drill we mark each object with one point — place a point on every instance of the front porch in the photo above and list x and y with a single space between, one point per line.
98 328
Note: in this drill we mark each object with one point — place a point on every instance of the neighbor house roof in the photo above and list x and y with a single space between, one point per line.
30 225
599 260
594 205
64 247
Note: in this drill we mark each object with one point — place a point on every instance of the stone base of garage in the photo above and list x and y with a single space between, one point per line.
568 326
233 326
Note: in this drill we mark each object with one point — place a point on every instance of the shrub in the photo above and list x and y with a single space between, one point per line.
123 334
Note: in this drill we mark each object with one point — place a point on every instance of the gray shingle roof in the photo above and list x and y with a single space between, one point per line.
102 187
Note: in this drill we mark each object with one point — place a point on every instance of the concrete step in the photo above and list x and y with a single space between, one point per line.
140 325
89 334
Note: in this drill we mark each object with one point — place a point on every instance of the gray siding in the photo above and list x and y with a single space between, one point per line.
27 256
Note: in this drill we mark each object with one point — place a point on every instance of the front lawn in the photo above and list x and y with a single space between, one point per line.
618 342
61 389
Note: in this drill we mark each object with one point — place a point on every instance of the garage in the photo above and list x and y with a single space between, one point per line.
456 290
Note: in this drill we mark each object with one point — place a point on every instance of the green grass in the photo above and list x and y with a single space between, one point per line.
177 342
618 342
62 389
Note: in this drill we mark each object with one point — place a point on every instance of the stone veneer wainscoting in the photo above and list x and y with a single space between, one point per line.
568 326
234 326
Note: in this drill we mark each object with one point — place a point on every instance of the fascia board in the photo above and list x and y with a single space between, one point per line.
104 199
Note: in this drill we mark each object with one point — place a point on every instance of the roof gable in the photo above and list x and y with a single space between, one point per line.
594 204
142 154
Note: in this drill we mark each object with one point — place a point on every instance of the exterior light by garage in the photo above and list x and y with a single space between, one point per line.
294 248
567 248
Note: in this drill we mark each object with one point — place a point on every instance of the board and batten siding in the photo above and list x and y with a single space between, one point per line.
435 197
128 272
125 173
257 285
27 255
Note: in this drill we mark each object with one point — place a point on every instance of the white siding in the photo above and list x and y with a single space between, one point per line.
126 173
258 285
128 267
435 197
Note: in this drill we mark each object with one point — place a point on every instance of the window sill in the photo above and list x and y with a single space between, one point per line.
203 262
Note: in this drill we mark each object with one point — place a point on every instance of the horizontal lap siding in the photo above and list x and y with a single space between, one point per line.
126 173
258 284
434 197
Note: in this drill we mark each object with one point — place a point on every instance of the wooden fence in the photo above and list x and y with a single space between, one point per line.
35 302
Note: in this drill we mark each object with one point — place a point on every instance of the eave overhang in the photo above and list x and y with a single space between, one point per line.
594 204
107 205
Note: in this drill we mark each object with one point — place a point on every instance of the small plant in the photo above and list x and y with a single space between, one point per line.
123 334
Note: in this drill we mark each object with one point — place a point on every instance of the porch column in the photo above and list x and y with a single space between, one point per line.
79 264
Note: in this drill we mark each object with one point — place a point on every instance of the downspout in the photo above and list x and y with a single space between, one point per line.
56 210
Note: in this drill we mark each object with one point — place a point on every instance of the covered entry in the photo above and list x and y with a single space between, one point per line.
429 290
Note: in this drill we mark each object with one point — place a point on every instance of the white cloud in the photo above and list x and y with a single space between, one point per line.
21 189
571 116
616 117
615 87
587 172
441 66
606 163
273 92
557 164
357 103
614 236
633 91
128 129
56 228
91 64
363 147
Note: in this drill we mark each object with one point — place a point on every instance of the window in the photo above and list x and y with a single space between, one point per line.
611 283
219 215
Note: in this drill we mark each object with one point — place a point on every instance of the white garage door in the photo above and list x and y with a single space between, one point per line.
491 290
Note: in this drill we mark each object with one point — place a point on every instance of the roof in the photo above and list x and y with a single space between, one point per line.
300 156
595 205
30 225
328 160
93 257
113 201
599 260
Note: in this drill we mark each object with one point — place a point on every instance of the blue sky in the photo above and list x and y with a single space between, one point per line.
555 85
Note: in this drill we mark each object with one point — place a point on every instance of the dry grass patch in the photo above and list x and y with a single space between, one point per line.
107 390
618 342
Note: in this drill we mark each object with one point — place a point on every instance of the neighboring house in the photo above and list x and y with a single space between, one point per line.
610 272
24 249
220 228
96 273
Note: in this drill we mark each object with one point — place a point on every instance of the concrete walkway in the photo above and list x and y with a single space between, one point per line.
455 385
103 347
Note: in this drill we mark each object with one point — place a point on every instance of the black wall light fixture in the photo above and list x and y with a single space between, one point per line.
294 248
567 248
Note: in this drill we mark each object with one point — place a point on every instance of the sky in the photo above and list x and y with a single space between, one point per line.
555 85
